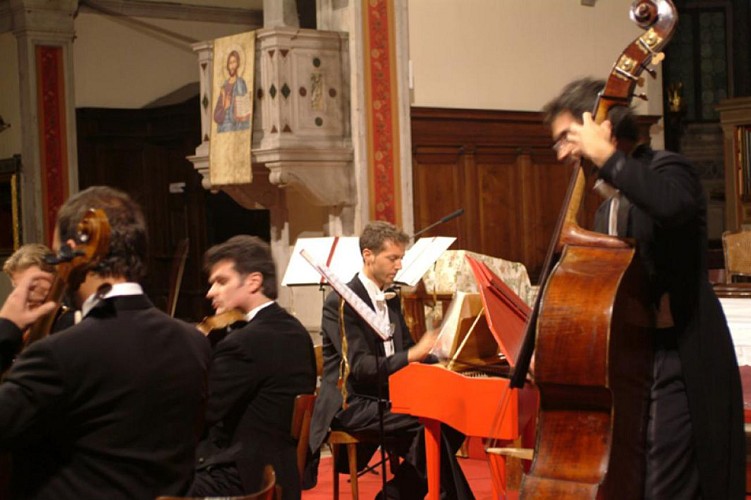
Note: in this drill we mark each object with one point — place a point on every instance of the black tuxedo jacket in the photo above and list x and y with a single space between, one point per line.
363 344
109 408
10 342
666 215
257 371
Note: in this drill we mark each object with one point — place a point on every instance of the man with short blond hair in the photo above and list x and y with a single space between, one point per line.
371 360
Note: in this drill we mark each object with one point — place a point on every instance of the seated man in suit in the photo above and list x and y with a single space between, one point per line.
371 361
257 371
110 407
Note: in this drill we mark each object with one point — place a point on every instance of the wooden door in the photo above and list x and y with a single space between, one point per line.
143 152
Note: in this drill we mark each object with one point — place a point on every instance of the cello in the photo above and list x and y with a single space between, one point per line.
92 244
593 322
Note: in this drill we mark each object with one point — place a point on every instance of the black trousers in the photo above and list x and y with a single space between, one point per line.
222 479
405 436
671 462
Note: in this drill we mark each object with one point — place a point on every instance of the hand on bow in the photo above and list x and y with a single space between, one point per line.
20 307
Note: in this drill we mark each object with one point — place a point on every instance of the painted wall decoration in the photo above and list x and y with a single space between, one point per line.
232 114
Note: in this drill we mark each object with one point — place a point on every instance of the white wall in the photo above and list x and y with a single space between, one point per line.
514 54
121 64
118 64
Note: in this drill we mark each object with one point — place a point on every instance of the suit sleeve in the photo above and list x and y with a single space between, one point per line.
234 376
10 342
30 395
362 345
668 189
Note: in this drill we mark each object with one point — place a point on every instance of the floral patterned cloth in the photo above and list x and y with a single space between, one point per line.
452 273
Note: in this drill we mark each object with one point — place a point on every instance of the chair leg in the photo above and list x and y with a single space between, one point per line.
334 453
352 455
393 462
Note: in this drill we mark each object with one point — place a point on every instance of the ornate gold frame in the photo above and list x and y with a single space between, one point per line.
10 204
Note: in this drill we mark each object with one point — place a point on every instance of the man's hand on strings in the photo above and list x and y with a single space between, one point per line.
20 308
592 140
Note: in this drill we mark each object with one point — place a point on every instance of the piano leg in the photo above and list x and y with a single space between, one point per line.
433 457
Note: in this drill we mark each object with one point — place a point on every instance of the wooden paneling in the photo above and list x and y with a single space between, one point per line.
142 152
499 167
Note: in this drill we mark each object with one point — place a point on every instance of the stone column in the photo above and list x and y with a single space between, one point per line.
380 104
280 13
44 31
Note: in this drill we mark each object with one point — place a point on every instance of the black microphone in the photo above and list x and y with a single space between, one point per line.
450 216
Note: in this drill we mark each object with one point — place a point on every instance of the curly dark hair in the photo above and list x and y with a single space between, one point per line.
249 254
128 238
580 96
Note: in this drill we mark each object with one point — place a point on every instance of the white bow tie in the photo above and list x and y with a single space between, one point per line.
384 296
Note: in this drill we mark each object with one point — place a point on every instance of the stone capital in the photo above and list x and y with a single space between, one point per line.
51 18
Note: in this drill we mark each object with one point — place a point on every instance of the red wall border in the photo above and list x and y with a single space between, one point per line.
53 149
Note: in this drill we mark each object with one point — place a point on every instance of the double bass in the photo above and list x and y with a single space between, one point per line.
593 322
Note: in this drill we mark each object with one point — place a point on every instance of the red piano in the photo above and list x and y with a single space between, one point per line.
477 406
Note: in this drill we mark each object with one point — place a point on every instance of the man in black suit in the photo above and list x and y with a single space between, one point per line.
257 371
695 442
109 408
370 361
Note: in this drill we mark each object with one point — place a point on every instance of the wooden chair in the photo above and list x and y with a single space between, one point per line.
337 439
340 438
318 350
301 415
736 247
269 490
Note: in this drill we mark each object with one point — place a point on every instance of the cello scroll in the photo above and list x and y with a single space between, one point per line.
92 244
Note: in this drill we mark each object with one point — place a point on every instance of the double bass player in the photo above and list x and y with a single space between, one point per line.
695 437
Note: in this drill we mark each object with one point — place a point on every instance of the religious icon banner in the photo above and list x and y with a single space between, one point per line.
232 111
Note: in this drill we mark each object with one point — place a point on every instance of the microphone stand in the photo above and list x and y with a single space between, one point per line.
382 403
447 218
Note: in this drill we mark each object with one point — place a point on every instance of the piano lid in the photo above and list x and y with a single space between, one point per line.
505 311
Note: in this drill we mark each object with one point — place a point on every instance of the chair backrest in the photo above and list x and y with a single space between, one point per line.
737 249
301 416
268 491
319 359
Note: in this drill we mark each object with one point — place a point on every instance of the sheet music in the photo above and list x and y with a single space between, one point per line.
341 254
420 256
464 305
379 324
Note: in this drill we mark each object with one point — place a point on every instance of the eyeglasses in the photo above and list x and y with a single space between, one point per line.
561 142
